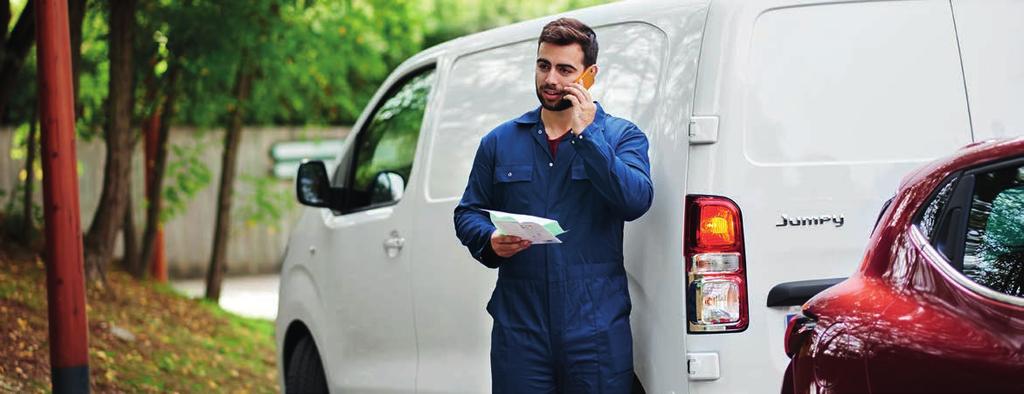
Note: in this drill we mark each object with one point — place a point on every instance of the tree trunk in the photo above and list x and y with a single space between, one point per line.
131 244
76 14
153 195
109 216
26 221
15 50
232 137
151 137
5 20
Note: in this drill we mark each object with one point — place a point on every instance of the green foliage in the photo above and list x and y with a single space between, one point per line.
318 62
266 201
19 142
315 62
186 175
94 76
14 208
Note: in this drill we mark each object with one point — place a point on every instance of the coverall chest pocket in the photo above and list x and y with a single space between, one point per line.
514 183
579 173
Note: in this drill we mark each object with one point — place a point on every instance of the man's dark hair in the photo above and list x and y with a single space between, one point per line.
566 31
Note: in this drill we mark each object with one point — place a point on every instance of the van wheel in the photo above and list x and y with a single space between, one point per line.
305 371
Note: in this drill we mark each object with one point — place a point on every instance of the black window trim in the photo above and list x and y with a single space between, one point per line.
954 179
361 134
881 213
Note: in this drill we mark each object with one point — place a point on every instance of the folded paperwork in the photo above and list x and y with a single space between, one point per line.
535 229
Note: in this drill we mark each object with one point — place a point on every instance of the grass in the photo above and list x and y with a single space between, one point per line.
180 344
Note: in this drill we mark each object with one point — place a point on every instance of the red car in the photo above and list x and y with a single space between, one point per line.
937 304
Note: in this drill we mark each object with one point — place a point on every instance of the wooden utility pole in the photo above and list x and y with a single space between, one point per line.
65 284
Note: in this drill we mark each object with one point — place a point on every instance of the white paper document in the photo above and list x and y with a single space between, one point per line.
531 228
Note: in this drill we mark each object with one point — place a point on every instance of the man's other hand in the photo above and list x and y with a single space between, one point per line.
507 245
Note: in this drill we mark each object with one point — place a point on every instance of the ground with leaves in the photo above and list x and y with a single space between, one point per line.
143 337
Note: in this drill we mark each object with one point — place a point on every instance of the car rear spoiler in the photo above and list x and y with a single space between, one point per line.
797 293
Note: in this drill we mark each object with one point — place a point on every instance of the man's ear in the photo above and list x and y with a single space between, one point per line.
596 69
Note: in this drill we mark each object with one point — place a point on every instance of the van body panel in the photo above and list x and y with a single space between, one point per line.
480 84
366 328
994 72
300 298
822 107
653 244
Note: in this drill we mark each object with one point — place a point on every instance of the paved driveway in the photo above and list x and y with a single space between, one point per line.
251 296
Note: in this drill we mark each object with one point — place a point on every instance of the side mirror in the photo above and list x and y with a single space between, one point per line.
312 186
389 186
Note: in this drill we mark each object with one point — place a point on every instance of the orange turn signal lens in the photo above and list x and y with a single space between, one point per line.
717 226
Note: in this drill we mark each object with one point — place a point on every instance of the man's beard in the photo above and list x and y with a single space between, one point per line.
562 104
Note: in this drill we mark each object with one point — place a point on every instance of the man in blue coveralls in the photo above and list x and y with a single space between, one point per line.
561 311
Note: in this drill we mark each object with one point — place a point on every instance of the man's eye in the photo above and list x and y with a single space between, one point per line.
542 67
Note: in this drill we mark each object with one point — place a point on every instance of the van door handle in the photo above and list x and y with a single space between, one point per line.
393 245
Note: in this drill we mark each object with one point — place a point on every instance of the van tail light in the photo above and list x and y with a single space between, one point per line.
798 331
716 272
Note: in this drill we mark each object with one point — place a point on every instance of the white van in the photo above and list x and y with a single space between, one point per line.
804 114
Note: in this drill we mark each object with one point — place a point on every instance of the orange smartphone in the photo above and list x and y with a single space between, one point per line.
586 78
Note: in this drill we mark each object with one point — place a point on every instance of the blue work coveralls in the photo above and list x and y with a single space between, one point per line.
561 311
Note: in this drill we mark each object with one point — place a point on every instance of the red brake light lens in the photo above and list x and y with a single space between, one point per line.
717 226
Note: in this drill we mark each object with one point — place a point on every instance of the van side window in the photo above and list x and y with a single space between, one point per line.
486 88
385 148
994 250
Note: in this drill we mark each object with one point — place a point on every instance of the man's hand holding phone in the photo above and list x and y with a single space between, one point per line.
583 107
507 245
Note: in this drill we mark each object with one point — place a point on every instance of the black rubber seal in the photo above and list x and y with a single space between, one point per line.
797 293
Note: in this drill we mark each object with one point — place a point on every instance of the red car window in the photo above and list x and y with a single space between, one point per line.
994 249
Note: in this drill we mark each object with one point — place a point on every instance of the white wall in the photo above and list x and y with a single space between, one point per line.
253 248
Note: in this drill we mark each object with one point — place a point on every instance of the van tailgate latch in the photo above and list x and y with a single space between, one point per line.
703 129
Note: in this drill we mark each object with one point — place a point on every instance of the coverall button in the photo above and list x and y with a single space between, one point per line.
510 174
551 164
540 131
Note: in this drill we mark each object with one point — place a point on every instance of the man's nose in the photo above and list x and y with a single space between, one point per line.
551 79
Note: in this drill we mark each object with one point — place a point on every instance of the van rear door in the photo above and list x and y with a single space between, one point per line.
991 39
821 108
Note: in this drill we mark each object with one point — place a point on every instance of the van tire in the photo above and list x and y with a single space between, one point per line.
305 370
